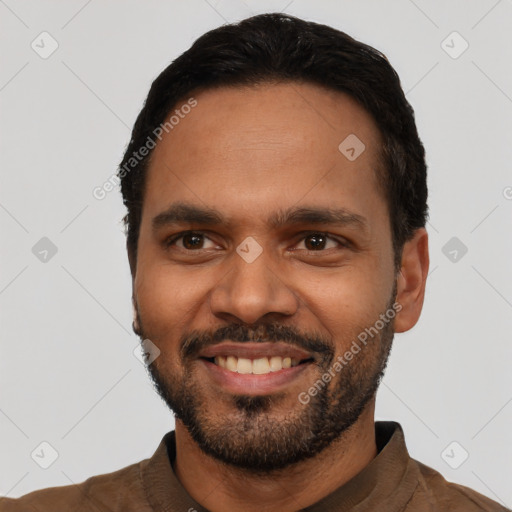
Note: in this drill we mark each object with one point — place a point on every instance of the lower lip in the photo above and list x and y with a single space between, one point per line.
251 384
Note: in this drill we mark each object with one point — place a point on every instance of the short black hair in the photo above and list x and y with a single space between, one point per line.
276 47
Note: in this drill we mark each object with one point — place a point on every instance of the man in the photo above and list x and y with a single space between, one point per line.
276 194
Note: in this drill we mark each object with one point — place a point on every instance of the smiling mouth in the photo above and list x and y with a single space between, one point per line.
256 366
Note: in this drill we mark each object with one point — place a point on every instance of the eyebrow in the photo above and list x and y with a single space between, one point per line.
191 214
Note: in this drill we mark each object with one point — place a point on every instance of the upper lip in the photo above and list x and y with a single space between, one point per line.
251 350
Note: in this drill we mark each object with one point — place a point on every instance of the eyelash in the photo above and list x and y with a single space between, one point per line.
343 243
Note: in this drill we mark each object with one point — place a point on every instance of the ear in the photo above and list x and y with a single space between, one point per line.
135 323
133 269
411 280
132 260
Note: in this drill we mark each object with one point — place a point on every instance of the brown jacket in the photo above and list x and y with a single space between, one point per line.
392 482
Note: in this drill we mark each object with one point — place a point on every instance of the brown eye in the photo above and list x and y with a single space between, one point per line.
318 242
189 241
315 242
192 241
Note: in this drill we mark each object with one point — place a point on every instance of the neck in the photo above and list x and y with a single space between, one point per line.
219 487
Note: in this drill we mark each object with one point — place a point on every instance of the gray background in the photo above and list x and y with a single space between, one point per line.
68 374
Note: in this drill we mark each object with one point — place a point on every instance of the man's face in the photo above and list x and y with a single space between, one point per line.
266 162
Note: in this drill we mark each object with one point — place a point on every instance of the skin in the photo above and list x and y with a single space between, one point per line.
248 152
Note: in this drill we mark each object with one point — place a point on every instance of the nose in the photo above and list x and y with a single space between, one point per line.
252 290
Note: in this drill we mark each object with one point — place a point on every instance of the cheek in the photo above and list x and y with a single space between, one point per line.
348 297
167 298
345 304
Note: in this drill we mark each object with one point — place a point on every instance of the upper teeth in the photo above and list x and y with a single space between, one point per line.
257 366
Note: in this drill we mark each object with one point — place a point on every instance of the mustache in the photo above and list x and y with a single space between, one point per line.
193 343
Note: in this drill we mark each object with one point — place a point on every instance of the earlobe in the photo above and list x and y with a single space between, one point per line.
411 280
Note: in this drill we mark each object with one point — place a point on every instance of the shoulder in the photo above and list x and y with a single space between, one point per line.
444 495
110 492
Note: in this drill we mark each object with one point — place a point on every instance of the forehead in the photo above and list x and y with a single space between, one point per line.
252 148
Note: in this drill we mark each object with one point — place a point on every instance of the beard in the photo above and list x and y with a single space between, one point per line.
261 434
